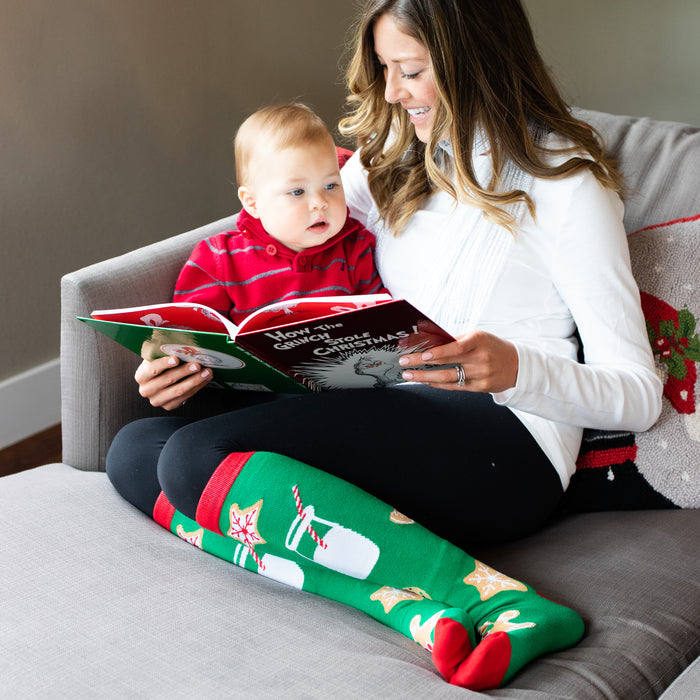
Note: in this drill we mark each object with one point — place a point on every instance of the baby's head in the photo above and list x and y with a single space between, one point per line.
288 177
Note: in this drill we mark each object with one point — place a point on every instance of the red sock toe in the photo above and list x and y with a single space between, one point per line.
451 646
486 666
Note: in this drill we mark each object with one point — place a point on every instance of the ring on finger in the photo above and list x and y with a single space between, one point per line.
461 376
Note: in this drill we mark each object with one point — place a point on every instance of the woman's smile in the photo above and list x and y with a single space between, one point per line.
408 74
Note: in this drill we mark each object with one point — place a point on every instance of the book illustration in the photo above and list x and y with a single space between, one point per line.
202 356
379 367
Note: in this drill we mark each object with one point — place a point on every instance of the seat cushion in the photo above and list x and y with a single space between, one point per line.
99 601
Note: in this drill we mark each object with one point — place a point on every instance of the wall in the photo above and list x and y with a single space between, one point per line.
639 57
116 117
116 120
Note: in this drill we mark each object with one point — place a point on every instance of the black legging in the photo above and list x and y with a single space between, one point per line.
456 462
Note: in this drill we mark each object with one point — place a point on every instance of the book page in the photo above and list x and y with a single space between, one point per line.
297 310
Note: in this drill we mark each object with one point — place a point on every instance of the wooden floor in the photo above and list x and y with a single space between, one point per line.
42 448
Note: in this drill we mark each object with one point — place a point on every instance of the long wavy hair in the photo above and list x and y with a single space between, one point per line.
490 79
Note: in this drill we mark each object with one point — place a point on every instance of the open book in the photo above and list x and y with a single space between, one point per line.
311 344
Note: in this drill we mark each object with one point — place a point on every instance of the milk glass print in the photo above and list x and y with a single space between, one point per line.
335 547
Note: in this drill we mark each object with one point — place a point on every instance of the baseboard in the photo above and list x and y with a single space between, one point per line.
30 402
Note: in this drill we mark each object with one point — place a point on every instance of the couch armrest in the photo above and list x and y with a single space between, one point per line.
98 393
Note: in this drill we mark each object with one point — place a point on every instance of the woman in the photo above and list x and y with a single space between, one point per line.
497 213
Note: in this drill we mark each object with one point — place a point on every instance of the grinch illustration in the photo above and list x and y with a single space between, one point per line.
374 368
383 366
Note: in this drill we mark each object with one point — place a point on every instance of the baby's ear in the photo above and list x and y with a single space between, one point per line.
248 201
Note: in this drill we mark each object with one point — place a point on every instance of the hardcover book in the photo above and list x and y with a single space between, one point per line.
313 344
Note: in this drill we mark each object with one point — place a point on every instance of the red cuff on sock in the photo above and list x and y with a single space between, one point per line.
217 488
163 511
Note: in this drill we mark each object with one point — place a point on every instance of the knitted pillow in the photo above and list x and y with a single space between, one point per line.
659 468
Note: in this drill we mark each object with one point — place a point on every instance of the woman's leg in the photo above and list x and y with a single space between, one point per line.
456 462
332 538
132 459
471 436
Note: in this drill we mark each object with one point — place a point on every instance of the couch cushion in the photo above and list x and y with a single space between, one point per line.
99 601
660 162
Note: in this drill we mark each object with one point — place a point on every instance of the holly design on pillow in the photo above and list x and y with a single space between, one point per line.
665 264
676 348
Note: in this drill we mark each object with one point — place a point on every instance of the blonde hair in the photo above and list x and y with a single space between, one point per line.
490 78
279 127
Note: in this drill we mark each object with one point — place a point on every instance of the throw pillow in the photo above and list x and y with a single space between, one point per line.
659 468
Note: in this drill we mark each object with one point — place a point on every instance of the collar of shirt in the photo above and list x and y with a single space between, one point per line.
250 227
481 145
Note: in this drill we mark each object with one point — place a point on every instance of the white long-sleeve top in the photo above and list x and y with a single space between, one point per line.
567 269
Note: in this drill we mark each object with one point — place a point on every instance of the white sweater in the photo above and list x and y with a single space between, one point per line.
567 269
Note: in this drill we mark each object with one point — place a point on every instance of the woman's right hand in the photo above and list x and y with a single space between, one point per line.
167 383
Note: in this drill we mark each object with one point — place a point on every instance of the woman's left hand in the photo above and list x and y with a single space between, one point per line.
489 364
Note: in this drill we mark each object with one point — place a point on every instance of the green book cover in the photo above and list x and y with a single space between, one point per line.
232 366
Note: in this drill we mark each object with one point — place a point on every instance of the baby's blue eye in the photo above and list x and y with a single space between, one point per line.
331 186
297 193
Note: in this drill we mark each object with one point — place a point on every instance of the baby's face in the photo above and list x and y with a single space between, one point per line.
298 195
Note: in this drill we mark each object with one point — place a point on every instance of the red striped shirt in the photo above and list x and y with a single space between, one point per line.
241 271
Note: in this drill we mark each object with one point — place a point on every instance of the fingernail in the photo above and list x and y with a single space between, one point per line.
426 356
205 374
172 361
407 376
403 361
193 368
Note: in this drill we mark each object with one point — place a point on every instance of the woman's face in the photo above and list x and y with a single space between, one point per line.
408 74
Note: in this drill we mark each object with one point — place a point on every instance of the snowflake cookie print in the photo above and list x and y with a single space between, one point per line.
489 582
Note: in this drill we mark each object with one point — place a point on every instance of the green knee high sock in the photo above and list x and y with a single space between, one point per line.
353 548
417 618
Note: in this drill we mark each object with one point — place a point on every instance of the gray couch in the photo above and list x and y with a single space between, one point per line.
99 601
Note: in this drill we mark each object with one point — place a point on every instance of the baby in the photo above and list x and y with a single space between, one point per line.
294 237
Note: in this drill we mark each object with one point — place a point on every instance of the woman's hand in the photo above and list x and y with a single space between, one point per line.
168 384
489 363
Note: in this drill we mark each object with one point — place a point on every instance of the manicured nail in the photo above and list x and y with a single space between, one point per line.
407 376
193 368
426 356
403 361
172 361
205 374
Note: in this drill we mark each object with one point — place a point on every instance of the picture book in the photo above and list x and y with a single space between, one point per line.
310 344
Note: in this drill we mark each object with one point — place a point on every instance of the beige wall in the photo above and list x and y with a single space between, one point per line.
116 115
116 120
639 57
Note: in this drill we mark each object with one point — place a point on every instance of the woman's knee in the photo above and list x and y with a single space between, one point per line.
132 459
187 461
